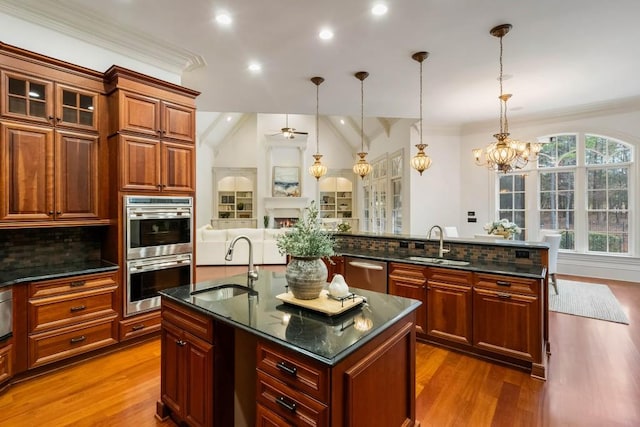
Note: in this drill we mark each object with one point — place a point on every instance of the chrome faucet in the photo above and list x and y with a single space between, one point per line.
252 274
441 249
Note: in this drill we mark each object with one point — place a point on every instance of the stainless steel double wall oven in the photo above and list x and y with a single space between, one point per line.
159 248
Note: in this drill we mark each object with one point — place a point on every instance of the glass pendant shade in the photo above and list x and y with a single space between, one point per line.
362 167
317 169
420 161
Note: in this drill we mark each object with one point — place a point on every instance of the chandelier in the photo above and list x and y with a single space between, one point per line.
420 161
362 167
505 154
317 169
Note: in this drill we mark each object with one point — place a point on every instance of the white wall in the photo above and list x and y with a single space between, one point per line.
38 39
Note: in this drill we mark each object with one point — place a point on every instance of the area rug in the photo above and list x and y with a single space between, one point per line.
586 300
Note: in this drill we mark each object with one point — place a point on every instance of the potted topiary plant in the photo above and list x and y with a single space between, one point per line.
306 243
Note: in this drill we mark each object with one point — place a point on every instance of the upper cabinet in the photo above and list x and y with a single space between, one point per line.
152 131
51 142
151 116
25 97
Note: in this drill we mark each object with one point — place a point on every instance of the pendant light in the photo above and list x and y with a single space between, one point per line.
505 154
362 167
317 169
420 161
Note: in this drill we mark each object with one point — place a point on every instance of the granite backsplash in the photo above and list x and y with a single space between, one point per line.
29 247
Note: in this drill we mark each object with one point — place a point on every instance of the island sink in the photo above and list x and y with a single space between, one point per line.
222 292
441 261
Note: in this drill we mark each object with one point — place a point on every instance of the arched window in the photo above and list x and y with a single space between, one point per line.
584 191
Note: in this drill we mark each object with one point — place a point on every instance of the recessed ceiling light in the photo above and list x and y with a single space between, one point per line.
341 121
379 9
255 67
325 34
228 118
224 18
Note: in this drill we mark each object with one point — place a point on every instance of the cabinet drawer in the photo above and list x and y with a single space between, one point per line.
298 408
304 375
407 272
507 283
139 325
63 310
71 284
448 275
62 343
6 363
266 418
190 321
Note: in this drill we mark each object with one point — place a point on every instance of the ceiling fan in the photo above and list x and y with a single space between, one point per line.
288 132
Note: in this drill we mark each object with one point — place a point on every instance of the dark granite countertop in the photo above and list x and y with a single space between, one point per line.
37 273
324 338
510 269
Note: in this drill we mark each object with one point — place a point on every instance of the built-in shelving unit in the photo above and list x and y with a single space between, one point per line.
235 198
337 200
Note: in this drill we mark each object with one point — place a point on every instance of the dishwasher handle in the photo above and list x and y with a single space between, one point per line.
366 265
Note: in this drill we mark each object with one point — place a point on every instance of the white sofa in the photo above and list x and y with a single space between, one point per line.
212 245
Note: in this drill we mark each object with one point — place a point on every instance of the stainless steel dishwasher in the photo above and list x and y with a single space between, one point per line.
366 274
6 313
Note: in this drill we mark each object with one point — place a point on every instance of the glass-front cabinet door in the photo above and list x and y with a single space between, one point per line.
76 108
43 101
27 97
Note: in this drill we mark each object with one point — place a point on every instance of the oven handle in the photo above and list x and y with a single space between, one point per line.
157 266
365 265
158 215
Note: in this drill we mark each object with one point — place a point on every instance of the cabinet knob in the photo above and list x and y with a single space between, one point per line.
181 343
50 213
159 185
58 212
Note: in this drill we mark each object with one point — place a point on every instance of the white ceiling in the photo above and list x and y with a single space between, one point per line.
560 54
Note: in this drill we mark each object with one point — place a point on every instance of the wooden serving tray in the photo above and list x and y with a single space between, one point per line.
323 304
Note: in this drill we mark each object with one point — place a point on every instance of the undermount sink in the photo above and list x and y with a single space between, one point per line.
222 292
441 261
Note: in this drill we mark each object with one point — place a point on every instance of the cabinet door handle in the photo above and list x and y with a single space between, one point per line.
159 185
291 370
77 308
286 403
181 343
503 283
77 283
503 295
50 213
138 327
77 339
58 212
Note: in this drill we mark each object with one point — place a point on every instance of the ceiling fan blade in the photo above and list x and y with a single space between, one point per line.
301 133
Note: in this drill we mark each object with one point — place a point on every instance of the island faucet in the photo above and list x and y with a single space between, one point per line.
441 249
252 274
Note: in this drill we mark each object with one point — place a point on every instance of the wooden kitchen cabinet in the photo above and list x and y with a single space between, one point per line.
44 101
192 381
507 317
6 363
152 133
70 316
449 305
294 389
50 114
410 281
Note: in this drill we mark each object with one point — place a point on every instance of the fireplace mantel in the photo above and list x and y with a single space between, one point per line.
285 207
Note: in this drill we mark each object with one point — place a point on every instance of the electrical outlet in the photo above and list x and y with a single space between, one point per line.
419 245
522 254
404 245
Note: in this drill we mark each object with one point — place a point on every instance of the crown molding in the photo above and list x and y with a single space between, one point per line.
584 111
88 26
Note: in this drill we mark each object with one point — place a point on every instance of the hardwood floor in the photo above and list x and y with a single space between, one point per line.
594 380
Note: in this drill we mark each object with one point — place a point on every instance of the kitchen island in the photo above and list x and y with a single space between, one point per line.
277 364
